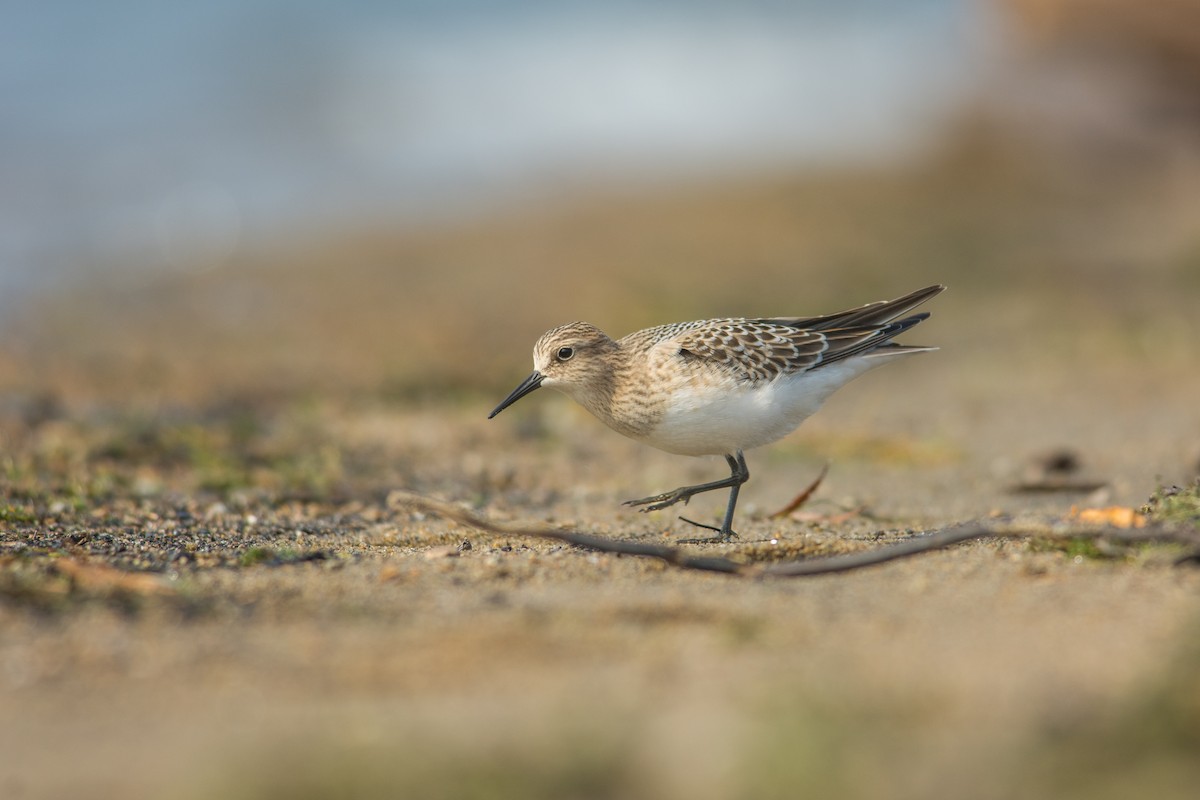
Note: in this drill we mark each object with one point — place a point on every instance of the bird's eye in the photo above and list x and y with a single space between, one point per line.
565 353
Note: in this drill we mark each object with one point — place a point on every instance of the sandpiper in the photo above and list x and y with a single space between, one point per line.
718 386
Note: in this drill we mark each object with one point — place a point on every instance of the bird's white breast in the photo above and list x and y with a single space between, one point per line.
716 418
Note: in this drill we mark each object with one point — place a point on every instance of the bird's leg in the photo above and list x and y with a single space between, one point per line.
739 474
683 494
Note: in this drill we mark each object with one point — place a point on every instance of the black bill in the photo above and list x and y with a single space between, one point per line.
528 385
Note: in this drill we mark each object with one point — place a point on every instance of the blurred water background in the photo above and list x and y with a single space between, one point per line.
218 196
141 133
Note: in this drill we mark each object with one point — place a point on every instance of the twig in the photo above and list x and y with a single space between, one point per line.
672 555
945 537
922 543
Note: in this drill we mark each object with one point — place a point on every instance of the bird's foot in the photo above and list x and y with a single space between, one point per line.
660 501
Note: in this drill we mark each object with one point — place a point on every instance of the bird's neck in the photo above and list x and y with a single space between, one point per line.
616 396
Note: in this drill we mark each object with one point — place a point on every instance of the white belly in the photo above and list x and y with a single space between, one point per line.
715 420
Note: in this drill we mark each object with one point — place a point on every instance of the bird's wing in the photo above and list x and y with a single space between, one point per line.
870 315
752 350
762 350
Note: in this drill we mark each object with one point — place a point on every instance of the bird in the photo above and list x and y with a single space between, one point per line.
718 386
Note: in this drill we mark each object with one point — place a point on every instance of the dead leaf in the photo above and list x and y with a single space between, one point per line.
1117 516
801 498
103 578
442 551
390 573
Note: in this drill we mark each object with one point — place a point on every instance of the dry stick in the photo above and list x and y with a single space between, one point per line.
795 569
844 563
672 555
964 532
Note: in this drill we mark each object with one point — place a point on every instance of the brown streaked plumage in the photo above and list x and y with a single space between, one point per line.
718 386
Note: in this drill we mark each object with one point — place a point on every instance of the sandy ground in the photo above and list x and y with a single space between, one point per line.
213 596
